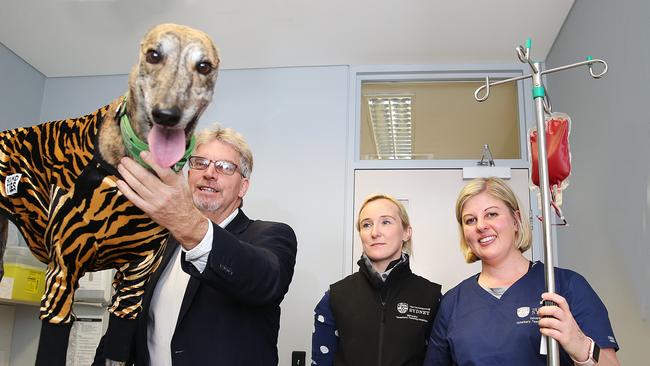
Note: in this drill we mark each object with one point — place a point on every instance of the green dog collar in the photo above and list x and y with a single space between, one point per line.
134 146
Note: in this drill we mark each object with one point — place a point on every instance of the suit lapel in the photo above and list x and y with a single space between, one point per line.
190 291
238 224
235 227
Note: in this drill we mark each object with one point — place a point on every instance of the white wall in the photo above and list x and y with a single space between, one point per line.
608 200
73 97
21 91
295 120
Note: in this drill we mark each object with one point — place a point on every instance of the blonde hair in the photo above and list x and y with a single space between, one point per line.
498 189
232 138
403 215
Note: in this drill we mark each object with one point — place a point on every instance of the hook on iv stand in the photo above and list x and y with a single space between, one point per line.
546 101
524 56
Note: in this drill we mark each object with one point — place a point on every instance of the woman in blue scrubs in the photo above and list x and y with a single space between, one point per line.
495 317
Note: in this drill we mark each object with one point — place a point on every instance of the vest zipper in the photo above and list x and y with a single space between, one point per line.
380 350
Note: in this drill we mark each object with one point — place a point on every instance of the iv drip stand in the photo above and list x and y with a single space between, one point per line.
542 105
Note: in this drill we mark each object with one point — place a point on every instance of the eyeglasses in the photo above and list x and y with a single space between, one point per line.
224 167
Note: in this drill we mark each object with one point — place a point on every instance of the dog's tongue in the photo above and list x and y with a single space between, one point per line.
167 145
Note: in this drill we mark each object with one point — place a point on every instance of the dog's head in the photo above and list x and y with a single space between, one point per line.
170 87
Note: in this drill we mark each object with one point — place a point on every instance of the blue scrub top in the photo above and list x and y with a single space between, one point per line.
475 328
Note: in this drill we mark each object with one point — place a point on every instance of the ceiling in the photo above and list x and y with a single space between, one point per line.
101 37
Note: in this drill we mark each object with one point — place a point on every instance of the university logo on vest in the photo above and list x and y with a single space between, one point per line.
412 312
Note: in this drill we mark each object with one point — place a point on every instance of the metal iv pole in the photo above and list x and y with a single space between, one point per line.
542 105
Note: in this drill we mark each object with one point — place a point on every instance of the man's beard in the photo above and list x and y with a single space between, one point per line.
206 205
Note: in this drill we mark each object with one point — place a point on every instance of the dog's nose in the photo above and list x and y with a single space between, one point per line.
166 116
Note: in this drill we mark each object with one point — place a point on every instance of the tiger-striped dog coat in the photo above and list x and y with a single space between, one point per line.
63 199
59 178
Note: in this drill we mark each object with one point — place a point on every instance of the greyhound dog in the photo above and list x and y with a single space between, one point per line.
60 185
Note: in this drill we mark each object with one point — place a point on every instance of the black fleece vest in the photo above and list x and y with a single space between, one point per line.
383 323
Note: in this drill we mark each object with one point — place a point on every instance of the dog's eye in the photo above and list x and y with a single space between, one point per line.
153 57
203 68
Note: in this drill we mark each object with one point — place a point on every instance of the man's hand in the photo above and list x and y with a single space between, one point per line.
165 198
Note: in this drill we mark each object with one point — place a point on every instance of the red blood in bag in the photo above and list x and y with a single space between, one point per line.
557 151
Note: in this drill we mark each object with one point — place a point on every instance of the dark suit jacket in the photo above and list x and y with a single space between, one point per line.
230 313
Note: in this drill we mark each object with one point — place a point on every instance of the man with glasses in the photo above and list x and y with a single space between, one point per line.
215 298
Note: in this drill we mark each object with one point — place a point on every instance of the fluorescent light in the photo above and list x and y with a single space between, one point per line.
390 117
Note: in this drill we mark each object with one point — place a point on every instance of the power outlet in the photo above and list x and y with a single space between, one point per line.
298 358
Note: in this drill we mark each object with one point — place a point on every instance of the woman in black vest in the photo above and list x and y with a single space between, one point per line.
382 314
